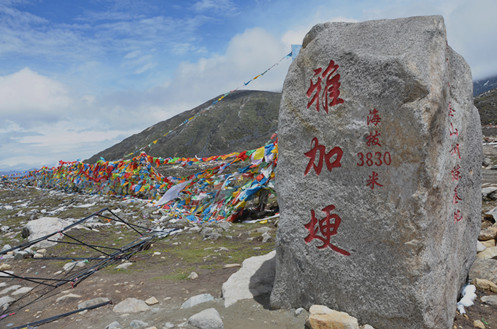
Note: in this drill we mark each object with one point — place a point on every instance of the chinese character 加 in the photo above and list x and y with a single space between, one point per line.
373 117
331 92
326 228
456 173
457 216
373 140
373 180
316 147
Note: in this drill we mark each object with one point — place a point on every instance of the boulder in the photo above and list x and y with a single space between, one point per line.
255 278
322 317
41 227
484 269
207 319
379 174
131 305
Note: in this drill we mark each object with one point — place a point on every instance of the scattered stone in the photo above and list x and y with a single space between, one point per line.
478 324
231 265
9 289
489 193
192 276
22 254
42 251
124 266
488 243
322 317
5 267
113 325
5 302
151 301
480 246
255 278
136 324
22 291
198 299
41 227
299 311
489 233
6 247
490 300
65 297
366 326
484 269
38 256
69 266
168 325
266 237
485 285
224 225
131 305
6 273
488 253
207 319
92 302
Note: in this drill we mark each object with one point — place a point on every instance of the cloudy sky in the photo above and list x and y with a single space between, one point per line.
77 77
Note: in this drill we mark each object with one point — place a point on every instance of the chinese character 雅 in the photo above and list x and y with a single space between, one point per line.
330 95
326 228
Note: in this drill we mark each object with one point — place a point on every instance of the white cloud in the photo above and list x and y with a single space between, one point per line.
225 6
27 93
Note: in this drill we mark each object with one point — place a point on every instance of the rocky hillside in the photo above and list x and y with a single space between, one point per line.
243 120
486 104
484 85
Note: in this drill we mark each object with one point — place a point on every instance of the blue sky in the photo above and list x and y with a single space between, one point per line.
77 77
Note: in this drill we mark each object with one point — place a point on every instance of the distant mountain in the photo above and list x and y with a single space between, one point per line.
486 104
483 85
242 120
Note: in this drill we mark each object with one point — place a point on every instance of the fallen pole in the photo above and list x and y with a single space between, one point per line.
56 317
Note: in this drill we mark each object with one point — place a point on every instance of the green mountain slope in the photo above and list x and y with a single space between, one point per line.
243 120
486 104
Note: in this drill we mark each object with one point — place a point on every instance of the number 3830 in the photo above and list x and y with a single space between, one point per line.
377 159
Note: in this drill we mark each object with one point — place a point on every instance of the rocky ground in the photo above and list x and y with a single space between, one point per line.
149 289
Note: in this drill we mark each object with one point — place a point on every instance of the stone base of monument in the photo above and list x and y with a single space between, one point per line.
379 174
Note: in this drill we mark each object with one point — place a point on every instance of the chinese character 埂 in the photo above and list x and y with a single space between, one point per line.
331 92
315 147
326 228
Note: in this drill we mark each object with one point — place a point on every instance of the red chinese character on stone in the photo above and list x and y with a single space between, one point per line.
373 139
373 180
456 173
451 110
457 216
326 228
331 92
455 150
315 148
456 198
453 131
373 118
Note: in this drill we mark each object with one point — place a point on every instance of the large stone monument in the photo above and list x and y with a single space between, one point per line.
379 174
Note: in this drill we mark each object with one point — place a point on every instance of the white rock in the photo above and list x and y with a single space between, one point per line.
193 276
93 302
198 299
124 266
151 301
5 302
68 296
255 278
207 319
131 305
9 289
22 291
43 226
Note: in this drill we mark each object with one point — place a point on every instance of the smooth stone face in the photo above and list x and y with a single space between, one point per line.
380 190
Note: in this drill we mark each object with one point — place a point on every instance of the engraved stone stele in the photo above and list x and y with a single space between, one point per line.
379 180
